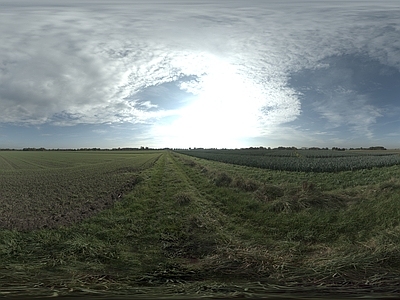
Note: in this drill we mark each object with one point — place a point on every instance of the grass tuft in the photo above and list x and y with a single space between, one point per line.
222 179
183 198
247 185
390 185
268 192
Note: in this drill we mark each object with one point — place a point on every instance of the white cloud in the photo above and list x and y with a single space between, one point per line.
84 63
349 109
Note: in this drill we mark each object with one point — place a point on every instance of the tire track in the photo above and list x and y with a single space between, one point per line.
208 211
12 166
236 254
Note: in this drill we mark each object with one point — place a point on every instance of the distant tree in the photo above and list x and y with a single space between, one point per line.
338 149
34 149
377 148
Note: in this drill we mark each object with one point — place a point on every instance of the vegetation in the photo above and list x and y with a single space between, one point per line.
300 160
198 228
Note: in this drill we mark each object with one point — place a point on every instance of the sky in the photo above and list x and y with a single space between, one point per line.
199 73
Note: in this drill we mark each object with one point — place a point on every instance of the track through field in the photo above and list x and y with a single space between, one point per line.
179 231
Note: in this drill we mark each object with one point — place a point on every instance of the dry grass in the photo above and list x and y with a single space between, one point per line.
222 179
268 192
245 184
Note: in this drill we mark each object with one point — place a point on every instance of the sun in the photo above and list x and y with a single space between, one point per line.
224 113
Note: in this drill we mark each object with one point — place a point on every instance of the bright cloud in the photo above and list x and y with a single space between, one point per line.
92 62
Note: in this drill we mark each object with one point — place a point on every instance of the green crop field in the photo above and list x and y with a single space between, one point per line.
301 160
162 223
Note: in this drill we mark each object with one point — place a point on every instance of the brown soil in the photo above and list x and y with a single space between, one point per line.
25 213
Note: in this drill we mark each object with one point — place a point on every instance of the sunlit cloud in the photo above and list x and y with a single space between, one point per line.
225 68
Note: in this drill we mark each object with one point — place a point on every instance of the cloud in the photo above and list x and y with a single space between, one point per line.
353 92
89 62
350 109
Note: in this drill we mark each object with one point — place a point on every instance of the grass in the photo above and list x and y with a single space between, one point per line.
197 228
301 218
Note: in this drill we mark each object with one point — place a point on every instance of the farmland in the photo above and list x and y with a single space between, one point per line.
301 160
47 189
174 225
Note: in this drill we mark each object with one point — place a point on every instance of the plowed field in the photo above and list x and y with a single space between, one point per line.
46 189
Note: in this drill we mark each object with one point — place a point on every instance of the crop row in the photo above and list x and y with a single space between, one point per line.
323 153
299 162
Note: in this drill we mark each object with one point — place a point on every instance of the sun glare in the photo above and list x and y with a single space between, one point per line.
223 114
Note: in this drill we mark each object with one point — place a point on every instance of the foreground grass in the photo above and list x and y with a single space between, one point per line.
194 227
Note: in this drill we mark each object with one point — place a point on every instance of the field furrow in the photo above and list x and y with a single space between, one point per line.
7 163
39 197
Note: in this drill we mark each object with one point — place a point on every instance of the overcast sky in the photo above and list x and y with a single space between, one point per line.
199 73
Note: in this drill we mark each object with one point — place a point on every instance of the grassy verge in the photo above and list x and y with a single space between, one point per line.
196 228
315 233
